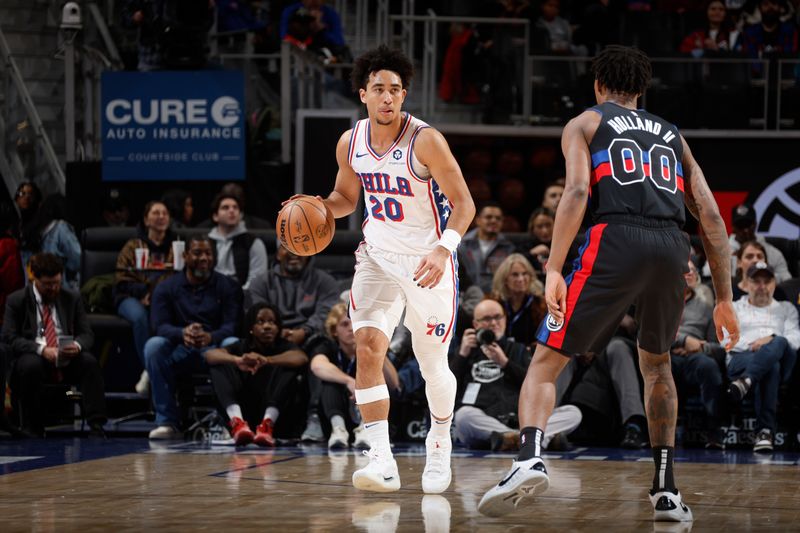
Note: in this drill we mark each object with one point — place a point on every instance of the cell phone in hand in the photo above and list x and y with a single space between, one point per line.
64 341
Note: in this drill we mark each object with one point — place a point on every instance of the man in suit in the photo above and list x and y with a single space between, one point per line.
35 317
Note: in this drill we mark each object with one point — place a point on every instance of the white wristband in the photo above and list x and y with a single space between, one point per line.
450 240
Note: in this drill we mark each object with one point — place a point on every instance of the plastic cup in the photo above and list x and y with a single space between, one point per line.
142 258
177 254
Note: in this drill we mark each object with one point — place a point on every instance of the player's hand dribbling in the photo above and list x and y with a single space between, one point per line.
431 269
725 317
296 196
555 294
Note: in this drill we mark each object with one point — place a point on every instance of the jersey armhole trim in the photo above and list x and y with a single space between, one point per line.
352 146
410 155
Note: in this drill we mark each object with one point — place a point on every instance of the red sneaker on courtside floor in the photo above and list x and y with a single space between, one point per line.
241 432
264 434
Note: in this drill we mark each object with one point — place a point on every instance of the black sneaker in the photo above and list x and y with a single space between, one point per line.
737 390
669 507
715 439
633 439
96 431
763 442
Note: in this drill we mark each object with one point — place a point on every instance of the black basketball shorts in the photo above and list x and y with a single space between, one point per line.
624 261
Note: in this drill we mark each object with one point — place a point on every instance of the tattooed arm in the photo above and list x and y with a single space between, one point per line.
704 208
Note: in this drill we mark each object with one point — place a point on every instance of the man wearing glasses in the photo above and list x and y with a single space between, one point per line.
490 369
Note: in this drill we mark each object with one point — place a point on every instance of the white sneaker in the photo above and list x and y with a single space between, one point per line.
436 513
377 517
525 479
338 439
380 474
313 431
669 507
142 386
166 433
437 474
360 441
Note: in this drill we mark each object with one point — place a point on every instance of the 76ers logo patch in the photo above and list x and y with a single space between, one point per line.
552 323
435 328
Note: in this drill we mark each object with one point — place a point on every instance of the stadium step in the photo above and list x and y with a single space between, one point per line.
32 40
22 15
39 66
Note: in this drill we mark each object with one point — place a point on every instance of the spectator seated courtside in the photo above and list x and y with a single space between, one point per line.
766 353
49 337
334 363
304 294
521 294
483 249
192 312
240 254
694 358
134 284
490 369
254 379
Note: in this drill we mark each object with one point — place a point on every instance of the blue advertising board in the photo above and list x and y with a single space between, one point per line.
173 125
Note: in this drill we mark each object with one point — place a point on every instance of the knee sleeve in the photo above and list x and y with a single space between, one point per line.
440 383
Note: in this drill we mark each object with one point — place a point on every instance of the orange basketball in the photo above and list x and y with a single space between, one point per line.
305 226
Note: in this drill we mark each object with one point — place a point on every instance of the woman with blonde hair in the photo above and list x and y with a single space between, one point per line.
520 292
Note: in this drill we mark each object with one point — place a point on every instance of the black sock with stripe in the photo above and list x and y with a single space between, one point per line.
530 443
663 479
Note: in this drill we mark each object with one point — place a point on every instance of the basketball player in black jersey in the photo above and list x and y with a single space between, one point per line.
635 172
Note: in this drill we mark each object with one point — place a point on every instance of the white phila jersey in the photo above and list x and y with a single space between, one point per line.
405 211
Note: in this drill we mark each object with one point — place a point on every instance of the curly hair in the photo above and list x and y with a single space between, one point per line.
622 70
251 316
381 58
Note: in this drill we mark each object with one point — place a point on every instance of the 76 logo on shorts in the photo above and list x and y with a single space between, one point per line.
435 327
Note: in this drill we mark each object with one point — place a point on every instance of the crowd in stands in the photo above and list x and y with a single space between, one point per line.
271 334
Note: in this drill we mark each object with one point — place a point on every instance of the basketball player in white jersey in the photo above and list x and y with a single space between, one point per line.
417 208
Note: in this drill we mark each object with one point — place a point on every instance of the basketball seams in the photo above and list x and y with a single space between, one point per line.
322 211
303 218
308 225
289 241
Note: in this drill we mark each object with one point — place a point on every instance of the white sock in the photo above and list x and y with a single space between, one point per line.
234 411
378 435
440 429
272 413
338 422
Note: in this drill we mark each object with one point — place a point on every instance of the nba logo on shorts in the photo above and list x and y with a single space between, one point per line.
552 323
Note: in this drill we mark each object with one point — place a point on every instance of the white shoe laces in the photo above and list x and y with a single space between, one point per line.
375 455
435 460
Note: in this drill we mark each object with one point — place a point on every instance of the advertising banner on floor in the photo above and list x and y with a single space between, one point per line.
173 125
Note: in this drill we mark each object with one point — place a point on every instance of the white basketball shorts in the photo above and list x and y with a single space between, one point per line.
384 284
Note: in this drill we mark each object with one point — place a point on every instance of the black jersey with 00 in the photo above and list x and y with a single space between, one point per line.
636 166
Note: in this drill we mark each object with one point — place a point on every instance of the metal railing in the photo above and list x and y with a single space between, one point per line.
516 47
788 80
303 80
366 22
684 90
87 52
15 87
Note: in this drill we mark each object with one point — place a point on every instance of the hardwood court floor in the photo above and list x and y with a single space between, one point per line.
190 487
